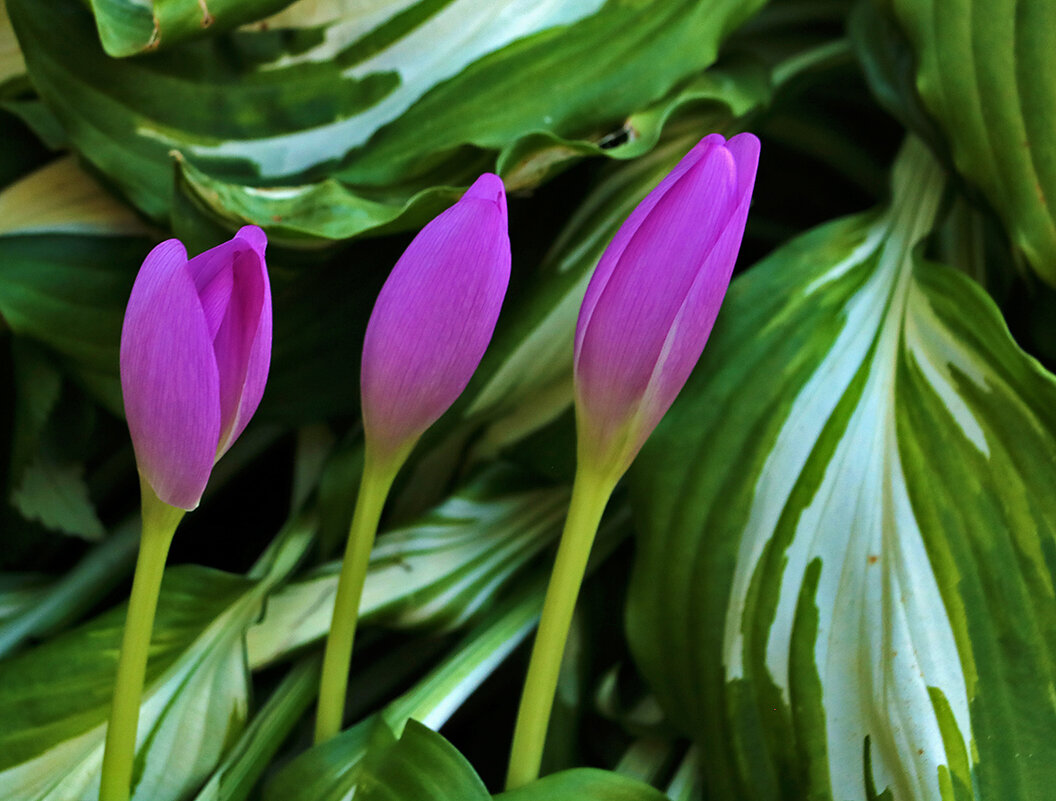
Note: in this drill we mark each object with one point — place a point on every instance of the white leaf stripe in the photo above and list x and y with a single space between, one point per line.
875 540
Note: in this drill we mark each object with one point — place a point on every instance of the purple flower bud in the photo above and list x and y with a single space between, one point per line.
654 296
434 318
195 350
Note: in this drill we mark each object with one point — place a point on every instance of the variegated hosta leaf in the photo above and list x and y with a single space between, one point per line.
436 572
986 71
329 772
844 586
54 699
388 99
128 27
68 254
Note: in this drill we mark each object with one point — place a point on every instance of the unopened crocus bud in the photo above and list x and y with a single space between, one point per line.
434 318
195 351
654 296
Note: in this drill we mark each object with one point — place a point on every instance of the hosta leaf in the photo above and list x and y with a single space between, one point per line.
12 64
329 209
54 699
421 764
128 27
436 572
986 71
844 587
584 784
61 198
330 771
68 254
389 99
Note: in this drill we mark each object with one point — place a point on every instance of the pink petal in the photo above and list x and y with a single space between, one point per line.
692 326
612 254
169 378
435 316
243 341
645 290
213 279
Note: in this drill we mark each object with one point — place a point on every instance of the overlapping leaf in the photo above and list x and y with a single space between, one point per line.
388 100
128 27
436 572
986 71
845 583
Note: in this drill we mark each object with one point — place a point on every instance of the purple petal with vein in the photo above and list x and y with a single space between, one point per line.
434 317
243 341
652 302
169 378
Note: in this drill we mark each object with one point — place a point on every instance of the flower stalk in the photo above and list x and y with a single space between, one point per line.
591 491
159 524
333 686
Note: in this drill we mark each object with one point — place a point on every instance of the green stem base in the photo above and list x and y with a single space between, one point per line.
159 524
374 488
590 494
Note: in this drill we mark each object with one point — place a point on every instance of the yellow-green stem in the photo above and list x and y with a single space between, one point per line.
333 686
159 524
590 494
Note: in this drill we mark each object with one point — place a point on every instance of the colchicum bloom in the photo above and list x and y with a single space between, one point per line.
429 329
654 296
195 351
434 317
647 313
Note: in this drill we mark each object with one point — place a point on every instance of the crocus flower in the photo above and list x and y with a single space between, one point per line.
434 317
195 350
654 296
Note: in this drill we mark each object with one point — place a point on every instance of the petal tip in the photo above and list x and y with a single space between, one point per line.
488 186
254 236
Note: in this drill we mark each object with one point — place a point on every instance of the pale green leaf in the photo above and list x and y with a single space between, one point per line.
844 585
62 198
434 573
12 64
55 698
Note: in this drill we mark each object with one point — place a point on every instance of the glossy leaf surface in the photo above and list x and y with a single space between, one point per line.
845 581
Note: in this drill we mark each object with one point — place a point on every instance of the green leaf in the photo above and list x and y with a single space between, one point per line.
424 765
986 71
57 496
128 27
421 764
844 581
403 99
584 784
250 756
47 471
330 771
12 65
55 698
435 573
68 255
